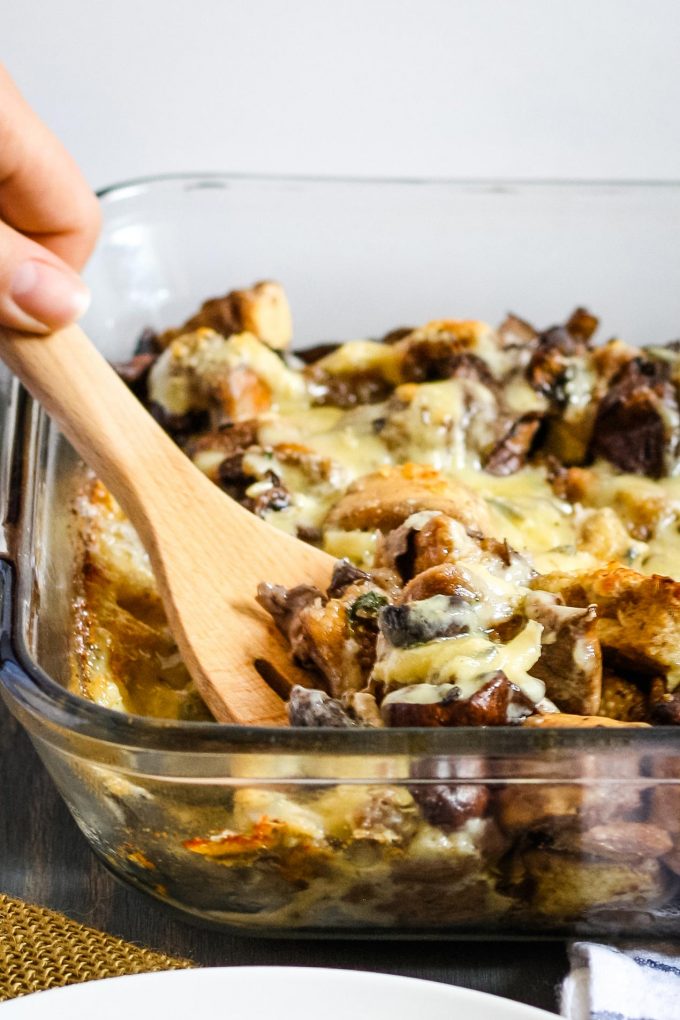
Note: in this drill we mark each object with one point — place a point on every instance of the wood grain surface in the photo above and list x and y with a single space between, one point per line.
45 859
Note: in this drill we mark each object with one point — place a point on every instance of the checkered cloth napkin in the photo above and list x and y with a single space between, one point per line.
622 983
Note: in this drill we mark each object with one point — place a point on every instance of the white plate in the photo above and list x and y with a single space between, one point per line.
266 993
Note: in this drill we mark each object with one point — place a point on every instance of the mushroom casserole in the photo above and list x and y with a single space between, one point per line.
504 506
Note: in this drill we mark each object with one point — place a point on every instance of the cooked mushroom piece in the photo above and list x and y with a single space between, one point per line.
308 707
362 372
363 707
571 659
515 332
220 453
396 551
135 372
426 359
286 607
344 575
636 426
446 579
512 449
448 806
384 499
414 623
546 370
430 538
498 702
229 440
329 634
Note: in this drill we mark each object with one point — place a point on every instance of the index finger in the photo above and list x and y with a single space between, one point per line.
42 192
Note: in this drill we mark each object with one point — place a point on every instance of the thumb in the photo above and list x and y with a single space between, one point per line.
38 292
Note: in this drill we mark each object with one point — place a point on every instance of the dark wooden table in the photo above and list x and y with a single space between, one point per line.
44 859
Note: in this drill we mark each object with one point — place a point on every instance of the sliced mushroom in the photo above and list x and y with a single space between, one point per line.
637 422
449 806
498 702
430 538
360 372
516 332
548 365
180 426
344 575
270 494
349 390
396 551
512 450
363 707
286 607
307 707
446 579
135 372
386 498
414 623
438 343
325 633
219 454
426 359
571 659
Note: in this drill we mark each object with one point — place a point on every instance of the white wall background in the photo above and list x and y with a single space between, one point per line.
440 88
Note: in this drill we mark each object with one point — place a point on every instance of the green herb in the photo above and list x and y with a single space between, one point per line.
367 606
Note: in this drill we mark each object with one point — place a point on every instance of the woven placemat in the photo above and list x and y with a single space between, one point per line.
40 949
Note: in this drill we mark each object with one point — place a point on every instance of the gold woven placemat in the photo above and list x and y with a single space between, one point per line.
40 949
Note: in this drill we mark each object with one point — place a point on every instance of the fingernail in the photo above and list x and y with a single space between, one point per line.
48 295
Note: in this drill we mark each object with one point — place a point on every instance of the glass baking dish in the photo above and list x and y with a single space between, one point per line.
467 832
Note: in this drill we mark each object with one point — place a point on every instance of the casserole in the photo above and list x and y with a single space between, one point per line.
143 790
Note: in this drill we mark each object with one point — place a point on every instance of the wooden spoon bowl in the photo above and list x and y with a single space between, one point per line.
208 553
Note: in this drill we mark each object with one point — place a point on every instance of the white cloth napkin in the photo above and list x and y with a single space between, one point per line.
622 983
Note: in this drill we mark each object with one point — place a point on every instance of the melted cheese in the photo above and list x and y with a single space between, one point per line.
447 425
357 546
465 662
441 424
359 356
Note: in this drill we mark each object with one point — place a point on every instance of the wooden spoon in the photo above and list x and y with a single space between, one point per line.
207 552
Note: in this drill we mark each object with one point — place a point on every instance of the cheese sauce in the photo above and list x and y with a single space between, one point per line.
523 507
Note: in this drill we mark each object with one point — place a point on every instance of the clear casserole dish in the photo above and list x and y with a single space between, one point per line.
545 832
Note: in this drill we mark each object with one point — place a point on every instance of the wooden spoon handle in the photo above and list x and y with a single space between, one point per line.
207 552
94 409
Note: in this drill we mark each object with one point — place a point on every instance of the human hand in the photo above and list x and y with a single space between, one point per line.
49 221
